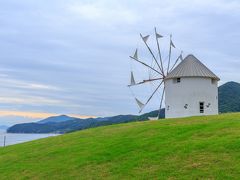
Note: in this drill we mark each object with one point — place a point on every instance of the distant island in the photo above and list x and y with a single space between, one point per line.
63 124
229 101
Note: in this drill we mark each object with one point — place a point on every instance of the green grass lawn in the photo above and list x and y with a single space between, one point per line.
187 148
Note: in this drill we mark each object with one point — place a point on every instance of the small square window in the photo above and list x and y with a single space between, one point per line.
176 80
214 81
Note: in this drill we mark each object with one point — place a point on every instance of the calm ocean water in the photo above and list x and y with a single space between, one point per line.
20 138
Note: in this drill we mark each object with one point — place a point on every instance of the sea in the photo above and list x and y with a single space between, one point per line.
15 138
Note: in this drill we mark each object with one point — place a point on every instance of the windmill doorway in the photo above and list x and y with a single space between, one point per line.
201 107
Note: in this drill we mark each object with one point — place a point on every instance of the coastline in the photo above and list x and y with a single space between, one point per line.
16 138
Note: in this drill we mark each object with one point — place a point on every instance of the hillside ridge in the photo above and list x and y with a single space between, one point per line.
229 97
52 125
186 148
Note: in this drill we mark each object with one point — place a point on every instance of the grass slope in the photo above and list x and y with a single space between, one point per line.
188 148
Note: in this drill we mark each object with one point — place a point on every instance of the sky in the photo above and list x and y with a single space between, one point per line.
72 56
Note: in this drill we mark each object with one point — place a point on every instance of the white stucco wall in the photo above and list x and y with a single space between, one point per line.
191 91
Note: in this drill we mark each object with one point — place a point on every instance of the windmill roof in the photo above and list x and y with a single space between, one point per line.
191 67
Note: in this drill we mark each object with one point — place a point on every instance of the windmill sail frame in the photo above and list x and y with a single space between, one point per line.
161 70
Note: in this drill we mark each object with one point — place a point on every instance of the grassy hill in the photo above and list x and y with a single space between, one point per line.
187 148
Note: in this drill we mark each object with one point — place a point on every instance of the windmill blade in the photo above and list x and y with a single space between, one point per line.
179 57
132 81
169 55
145 81
145 38
172 44
145 65
159 35
159 112
159 51
151 96
139 103
145 42
136 54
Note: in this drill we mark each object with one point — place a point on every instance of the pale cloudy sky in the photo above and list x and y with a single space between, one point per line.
71 56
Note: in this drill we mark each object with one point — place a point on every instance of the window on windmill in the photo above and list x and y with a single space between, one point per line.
214 81
201 107
177 80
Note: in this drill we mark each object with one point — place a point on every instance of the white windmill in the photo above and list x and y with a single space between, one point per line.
160 67
188 88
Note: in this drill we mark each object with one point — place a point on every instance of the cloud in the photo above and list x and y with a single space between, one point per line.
32 115
7 81
106 12
30 100
10 118
37 115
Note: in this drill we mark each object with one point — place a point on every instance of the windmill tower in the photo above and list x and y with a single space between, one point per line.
191 90
186 86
